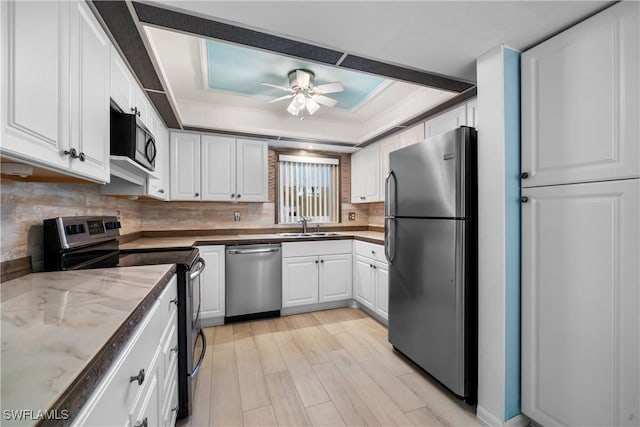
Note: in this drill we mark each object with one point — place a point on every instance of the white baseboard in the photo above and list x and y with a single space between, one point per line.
491 420
287 311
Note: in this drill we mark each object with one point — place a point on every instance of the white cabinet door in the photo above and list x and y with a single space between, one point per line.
387 145
252 176
472 113
382 289
412 135
35 58
142 106
580 101
147 410
365 175
185 166
159 187
90 86
335 277
580 293
363 286
121 82
445 122
299 281
218 168
212 282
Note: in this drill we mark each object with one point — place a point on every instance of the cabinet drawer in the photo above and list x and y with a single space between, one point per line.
369 250
326 247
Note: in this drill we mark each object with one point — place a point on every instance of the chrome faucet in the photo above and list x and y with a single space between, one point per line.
303 220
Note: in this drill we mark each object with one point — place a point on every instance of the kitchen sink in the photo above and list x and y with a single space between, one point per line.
318 234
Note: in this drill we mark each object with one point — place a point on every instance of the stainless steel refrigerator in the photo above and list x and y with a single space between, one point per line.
430 244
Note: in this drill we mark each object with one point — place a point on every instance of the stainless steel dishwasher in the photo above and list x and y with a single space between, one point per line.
253 281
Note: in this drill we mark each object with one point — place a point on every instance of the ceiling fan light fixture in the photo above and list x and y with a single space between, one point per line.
293 108
312 105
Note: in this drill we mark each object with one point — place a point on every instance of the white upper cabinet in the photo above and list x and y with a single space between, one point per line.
365 175
122 83
252 173
90 84
218 168
141 106
35 57
228 169
449 120
580 90
185 166
55 113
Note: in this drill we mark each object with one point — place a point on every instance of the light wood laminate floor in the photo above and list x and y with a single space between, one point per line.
327 368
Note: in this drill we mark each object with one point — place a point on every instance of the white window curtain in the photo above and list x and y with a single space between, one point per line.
309 187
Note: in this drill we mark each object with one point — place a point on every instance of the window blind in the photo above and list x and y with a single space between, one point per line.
309 187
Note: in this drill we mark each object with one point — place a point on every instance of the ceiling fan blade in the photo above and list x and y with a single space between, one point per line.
302 78
324 100
276 86
329 88
281 98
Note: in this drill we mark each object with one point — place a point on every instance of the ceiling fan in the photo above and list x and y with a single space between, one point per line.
305 93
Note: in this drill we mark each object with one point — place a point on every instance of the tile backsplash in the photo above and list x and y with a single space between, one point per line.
24 205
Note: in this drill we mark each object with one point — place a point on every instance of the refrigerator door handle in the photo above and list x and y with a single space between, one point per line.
388 239
387 202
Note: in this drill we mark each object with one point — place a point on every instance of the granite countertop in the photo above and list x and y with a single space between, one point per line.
195 240
61 330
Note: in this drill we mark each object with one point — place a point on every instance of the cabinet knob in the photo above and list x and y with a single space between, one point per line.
524 199
316 261
524 175
196 195
233 196
161 191
143 423
175 349
370 265
135 110
82 156
321 261
174 409
174 301
374 267
238 196
139 378
73 153
373 252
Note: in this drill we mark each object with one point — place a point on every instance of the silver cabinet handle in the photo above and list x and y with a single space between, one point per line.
252 251
139 378
199 271
82 156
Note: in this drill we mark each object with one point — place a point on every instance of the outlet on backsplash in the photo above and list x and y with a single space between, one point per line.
352 216
236 216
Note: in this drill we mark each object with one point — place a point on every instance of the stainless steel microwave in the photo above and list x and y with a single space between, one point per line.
131 138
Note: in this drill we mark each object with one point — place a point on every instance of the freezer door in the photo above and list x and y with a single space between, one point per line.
427 297
433 178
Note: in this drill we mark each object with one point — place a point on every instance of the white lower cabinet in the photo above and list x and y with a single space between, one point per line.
316 272
212 283
143 376
371 278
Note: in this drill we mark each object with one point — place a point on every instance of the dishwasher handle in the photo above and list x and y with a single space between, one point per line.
252 251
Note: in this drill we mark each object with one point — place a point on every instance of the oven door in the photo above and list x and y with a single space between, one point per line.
196 340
